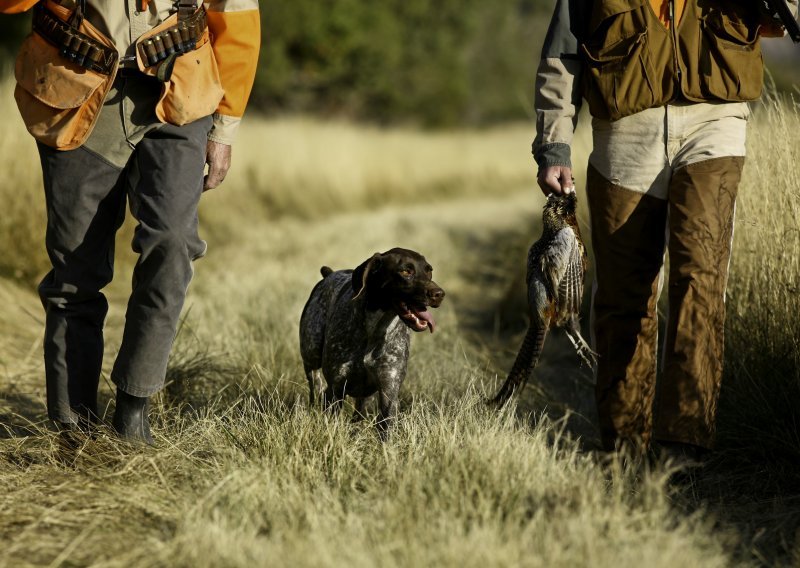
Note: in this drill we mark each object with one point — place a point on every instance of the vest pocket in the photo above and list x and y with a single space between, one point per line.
191 86
619 77
731 63
58 100
193 90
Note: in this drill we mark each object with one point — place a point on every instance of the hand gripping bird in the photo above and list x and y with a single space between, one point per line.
557 263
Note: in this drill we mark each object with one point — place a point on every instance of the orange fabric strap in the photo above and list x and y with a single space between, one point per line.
16 6
661 8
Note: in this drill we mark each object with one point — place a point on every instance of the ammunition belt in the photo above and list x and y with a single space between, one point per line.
74 45
178 39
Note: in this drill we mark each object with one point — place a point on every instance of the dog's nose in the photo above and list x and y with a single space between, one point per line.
436 295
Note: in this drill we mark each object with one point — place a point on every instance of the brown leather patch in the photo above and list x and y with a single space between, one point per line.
628 236
701 209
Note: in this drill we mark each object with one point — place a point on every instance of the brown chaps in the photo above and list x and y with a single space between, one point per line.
630 233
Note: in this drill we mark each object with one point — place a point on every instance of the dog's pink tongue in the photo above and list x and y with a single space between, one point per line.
426 315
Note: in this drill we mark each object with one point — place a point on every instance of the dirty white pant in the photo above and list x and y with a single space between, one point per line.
641 152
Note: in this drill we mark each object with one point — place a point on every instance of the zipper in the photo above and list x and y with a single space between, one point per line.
673 24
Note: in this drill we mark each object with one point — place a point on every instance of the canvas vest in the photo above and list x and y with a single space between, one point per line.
634 62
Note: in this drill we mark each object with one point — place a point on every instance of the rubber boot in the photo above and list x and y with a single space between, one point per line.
87 415
85 420
72 436
130 418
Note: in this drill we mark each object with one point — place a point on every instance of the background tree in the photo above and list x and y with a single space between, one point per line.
431 62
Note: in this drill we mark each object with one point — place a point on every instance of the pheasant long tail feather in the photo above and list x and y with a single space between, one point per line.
526 360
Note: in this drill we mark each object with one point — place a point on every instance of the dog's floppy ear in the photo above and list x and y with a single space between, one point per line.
361 273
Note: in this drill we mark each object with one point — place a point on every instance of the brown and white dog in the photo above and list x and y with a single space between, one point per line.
355 329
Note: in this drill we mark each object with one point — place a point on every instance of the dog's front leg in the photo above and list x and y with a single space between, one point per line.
334 398
390 377
387 412
359 410
387 363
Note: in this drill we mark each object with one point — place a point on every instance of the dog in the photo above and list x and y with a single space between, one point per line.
355 329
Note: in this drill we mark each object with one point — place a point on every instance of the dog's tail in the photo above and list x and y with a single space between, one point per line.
326 271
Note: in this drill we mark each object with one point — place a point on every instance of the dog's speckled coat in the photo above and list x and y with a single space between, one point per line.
355 329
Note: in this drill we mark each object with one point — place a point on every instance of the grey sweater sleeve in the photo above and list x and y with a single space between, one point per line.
558 86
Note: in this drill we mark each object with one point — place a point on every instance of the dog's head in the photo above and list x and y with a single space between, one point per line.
399 280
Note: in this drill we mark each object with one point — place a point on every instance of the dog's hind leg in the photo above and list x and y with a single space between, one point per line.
315 385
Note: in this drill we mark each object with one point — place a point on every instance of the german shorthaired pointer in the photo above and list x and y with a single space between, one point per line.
355 328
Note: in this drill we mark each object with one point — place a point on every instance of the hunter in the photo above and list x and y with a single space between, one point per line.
667 83
128 101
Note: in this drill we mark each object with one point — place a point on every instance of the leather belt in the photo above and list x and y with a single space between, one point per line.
73 44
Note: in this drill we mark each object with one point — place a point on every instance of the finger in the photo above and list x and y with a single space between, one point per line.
217 171
214 177
212 181
548 182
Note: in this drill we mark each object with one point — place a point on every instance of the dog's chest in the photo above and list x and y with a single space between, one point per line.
387 343
368 353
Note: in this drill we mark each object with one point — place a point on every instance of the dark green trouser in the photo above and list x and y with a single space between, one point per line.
630 231
86 197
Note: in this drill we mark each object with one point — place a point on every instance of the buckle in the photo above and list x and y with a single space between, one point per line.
185 8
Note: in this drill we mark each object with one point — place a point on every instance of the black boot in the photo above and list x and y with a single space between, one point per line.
87 417
130 418
83 420
74 435
70 438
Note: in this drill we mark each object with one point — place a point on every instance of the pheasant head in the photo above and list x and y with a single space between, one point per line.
559 212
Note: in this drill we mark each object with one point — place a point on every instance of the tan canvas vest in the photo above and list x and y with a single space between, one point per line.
634 62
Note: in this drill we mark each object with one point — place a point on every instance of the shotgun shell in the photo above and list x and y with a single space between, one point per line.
150 52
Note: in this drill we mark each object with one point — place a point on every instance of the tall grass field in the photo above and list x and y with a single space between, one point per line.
244 473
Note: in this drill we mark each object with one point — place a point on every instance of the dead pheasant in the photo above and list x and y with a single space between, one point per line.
556 266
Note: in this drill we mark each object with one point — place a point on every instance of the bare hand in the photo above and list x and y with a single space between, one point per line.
556 179
218 158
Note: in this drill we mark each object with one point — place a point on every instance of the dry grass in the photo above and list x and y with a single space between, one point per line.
21 226
303 168
764 296
256 478
244 473
754 482
267 482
